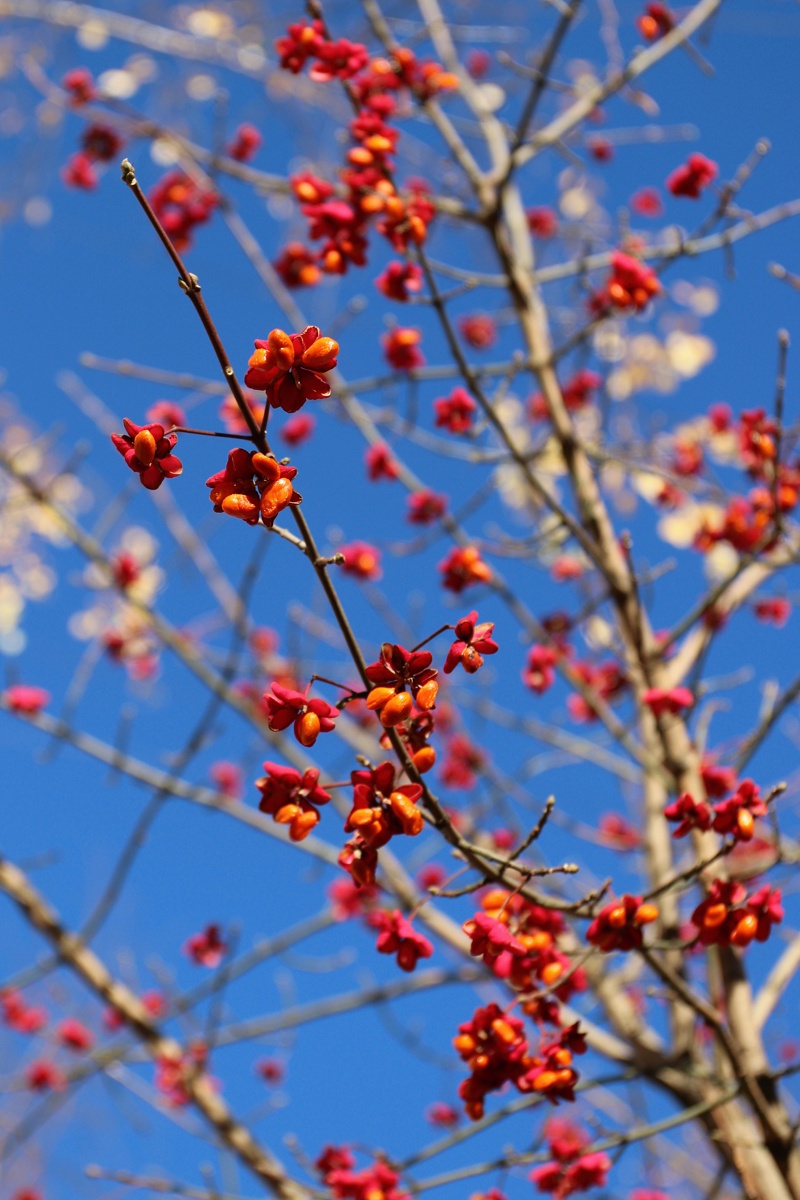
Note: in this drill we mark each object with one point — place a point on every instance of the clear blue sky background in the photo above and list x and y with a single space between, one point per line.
93 278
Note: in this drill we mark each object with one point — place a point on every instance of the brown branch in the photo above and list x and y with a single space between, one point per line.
84 963
565 122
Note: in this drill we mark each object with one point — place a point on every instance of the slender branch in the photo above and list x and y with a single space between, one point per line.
84 963
780 976
642 62
614 1142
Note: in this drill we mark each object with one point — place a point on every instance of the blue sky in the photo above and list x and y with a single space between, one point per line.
92 278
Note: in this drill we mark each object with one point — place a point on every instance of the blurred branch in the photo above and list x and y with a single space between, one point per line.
84 963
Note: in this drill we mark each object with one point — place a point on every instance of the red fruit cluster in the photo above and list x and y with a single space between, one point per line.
74 1035
693 177
689 814
539 672
571 1171
44 1076
687 457
361 560
80 86
425 507
618 833
338 224
518 941
370 192
542 222
376 1182
737 814
166 413
349 899
245 144
291 798
496 1050
775 610
306 40
285 707
24 698
399 281
667 700
401 349
342 224
404 221
233 418
424 77
600 148
464 568
206 948
360 861
462 763
567 567
173 1074
227 779
289 368
619 925
489 938
15 1013
99 144
443 1115
147 450
181 205
728 917
397 936
717 780
381 808
472 642
606 679
630 286
748 524
400 679
135 649
455 412
253 487
550 1072
298 429
655 22
415 734
380 463
404 70
478 62
757 442
494 1046
647 202
297 266
478 330
126 569
270 1070
576 393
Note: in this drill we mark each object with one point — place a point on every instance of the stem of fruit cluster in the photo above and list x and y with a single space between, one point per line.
191 286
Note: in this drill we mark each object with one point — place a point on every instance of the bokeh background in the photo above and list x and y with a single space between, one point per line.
82 274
